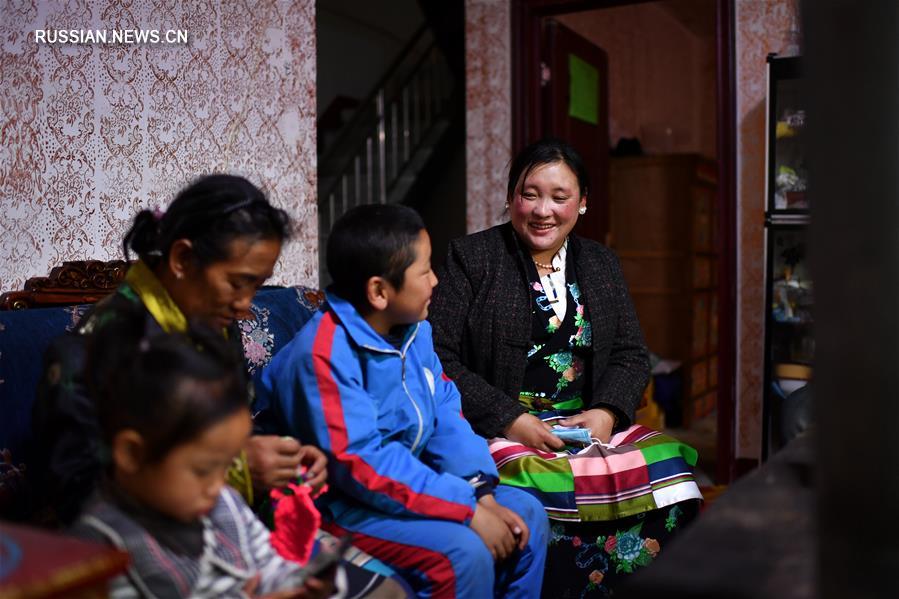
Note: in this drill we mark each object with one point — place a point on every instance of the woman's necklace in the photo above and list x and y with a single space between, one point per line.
547 266
550 265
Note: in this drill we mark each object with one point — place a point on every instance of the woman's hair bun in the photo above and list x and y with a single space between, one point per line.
211 212
143 236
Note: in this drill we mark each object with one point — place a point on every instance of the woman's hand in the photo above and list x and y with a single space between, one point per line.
316 466
529 430
273 460
600 421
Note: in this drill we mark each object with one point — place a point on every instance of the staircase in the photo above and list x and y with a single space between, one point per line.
379 155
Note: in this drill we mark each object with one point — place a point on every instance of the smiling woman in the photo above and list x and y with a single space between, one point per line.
548 191
536 327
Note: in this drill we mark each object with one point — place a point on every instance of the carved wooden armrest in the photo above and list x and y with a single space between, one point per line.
77 282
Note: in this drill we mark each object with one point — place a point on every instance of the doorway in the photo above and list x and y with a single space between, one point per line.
549 38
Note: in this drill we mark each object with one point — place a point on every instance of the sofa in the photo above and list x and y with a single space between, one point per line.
38 314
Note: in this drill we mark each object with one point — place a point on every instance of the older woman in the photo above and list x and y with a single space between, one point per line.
536 327
203 259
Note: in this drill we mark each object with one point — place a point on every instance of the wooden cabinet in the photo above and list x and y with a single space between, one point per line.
663 227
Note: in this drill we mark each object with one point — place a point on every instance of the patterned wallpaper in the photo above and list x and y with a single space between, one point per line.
90 133
760 28
488 91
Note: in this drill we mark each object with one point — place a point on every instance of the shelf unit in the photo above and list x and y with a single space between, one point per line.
789 292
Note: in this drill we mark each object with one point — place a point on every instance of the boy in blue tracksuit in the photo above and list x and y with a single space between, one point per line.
410 480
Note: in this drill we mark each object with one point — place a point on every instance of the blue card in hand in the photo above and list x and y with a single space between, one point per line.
573 435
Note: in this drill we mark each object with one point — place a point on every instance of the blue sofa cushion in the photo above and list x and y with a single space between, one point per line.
25 334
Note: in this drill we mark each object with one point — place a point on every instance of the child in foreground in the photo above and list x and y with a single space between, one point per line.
173 412
410 481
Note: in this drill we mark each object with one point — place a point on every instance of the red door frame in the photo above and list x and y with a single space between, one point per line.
526 126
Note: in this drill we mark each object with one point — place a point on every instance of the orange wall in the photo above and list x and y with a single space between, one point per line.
661 77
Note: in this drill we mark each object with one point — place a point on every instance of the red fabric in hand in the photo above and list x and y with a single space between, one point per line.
296 522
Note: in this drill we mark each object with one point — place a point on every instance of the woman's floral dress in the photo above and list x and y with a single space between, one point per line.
615 506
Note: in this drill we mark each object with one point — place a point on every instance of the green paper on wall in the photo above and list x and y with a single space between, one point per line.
583 90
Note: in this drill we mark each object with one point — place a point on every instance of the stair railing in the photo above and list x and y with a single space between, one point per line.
380 143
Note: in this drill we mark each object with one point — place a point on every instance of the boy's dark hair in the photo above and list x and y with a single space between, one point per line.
167 387
547 151
211 212
374 240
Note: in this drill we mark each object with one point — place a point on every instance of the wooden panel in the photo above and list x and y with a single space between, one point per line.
699 379
713 324
716 247
699 346
663 228
658 273
703 198
650 202
702 272
704 405
656 314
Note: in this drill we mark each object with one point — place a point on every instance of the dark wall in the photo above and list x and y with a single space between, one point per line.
356 41
440 194
852 61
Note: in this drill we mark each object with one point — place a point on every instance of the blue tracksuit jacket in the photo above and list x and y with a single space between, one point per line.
389 419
